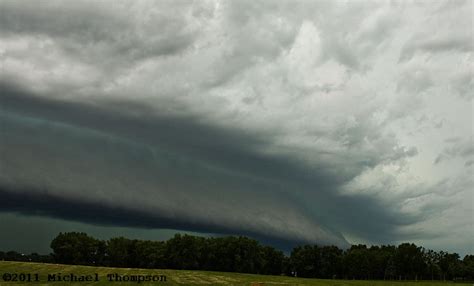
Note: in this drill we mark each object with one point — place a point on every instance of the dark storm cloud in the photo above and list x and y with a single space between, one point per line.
83 163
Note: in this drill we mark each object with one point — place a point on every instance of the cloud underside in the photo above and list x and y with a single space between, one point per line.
83 163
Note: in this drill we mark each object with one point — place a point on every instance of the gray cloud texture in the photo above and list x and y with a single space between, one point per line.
290 121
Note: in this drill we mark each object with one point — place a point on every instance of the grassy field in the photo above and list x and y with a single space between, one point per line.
173 277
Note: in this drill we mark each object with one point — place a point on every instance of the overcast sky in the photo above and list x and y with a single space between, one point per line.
329 122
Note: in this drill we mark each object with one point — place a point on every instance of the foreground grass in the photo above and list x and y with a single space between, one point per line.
179 277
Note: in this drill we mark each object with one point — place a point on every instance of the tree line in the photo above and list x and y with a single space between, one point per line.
406 261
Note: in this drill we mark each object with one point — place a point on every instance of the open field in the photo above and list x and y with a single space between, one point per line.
173 277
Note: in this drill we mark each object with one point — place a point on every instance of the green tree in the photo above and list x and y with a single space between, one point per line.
330 265
77 248
150 254
184 252
356 262
272 261
409 261
468 263
118 252
305 260
431 259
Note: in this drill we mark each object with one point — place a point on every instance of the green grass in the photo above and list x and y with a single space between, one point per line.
179 277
